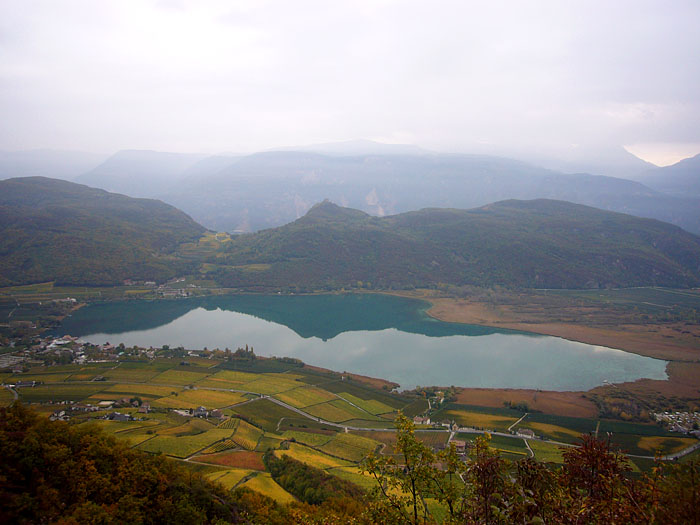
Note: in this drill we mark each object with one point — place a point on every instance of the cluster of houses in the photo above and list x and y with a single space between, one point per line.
682 422
70 408
202 412
59 349
167 289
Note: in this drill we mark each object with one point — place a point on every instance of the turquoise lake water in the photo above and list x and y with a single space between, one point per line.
376 335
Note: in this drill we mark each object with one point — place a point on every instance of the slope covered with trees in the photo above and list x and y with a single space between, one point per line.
73 234
534 244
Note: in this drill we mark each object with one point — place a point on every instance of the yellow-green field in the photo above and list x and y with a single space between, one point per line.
205 398
351 447
468 418
182 448
246 435
305 396
178 377
372 406
264 484
231 477
307 438
312 457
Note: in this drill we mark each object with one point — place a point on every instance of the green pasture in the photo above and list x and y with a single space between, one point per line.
547 452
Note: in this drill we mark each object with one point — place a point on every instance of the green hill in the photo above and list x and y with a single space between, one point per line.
52 230
539 243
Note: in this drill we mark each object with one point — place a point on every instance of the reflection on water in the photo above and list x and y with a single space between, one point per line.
381 336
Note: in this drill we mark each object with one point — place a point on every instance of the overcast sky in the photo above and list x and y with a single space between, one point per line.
239 76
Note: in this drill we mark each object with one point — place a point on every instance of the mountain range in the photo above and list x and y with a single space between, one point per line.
530 244
253 192
53 230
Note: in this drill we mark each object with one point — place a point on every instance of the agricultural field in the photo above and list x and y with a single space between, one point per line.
246 435
178 377
208 398
498 419
271 384
547 452
265 413
312 457
150 391
349 446
339 411
269 442
180 447
242 459
372 406
301 397
264 484
230 451
231 477
514 445
60 392
308 438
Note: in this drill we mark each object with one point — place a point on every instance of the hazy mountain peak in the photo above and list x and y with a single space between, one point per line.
327 210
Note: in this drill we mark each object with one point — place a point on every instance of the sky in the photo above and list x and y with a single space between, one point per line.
241 76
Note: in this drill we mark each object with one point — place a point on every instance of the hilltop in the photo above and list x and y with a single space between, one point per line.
531 244
57 230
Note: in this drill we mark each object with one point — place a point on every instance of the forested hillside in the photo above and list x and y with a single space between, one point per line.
535 244
52 230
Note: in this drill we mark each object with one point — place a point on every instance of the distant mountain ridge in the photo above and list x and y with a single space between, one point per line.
56 230
243 193
270 189
531 244
681 179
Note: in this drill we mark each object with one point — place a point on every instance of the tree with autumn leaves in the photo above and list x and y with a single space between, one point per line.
592 486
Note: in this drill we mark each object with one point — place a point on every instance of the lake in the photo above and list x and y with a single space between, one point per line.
370 334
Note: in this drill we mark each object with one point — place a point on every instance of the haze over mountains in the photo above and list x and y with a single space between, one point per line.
681 179
269 189
243 193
